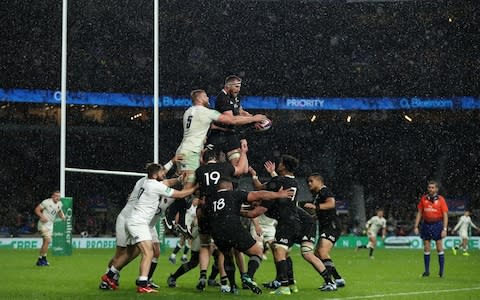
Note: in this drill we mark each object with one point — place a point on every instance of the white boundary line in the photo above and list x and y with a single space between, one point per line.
406 294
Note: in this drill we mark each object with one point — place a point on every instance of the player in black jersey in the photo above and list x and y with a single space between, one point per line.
294 226
227 137
208 176
223 210
328 222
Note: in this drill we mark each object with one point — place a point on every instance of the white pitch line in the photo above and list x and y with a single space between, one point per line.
406 294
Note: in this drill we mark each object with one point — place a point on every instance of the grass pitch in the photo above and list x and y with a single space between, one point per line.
393 274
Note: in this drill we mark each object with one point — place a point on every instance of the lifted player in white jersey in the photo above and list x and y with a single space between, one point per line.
464 226
47 211
373 226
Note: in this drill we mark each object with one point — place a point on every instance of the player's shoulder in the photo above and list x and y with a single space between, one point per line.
222 96
46 201
325 191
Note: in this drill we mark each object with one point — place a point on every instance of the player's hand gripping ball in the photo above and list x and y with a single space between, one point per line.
263 126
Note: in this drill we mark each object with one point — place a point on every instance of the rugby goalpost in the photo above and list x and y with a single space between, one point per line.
63 102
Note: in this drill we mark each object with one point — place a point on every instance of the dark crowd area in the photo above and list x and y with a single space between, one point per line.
287 47
390 158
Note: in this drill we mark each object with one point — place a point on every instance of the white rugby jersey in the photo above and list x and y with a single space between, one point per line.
50 210
375 224
132 199
147 203
263 220
196 122
163 204
464 224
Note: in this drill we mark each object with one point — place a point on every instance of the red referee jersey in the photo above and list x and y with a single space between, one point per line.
432 211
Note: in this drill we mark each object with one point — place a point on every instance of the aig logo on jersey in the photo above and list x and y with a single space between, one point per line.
330 237
283 240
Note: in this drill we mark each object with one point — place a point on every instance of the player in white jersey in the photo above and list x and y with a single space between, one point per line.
373 226
47 211
122 254
262 229
138 224
463 227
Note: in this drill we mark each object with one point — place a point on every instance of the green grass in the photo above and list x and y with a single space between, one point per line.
391 273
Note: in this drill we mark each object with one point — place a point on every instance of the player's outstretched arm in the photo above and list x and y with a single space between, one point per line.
184 193
253 213
240 120
266 195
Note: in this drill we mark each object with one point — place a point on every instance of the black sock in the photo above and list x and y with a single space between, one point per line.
184 268
153 266
282 272
331 268
185 249
203 274
224 280
371 252
291 278
230 268
214 272
326 276
177 248
253 265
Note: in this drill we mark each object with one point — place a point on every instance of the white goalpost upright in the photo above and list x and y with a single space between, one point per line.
63 102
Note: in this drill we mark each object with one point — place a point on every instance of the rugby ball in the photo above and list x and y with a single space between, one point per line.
264 125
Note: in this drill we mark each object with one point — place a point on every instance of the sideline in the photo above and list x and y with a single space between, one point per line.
406 294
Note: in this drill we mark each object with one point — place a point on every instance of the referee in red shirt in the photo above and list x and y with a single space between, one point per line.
434 212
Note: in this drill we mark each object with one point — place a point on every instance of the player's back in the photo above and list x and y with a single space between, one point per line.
196 123
210 174
283 210
224 206
133 197
148 199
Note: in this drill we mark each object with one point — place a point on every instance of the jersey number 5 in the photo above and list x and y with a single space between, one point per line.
189 121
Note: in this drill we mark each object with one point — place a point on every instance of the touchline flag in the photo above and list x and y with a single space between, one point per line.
62 231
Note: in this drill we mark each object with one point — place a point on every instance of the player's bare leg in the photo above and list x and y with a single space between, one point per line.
146 248
322 251
317 264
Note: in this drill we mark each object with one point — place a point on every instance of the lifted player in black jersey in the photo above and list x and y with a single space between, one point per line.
328 223
294 226
227 137
223 210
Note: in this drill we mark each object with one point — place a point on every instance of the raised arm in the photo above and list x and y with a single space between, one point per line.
242 166
256 183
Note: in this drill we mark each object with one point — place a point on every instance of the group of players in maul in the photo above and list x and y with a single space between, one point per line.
209 161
